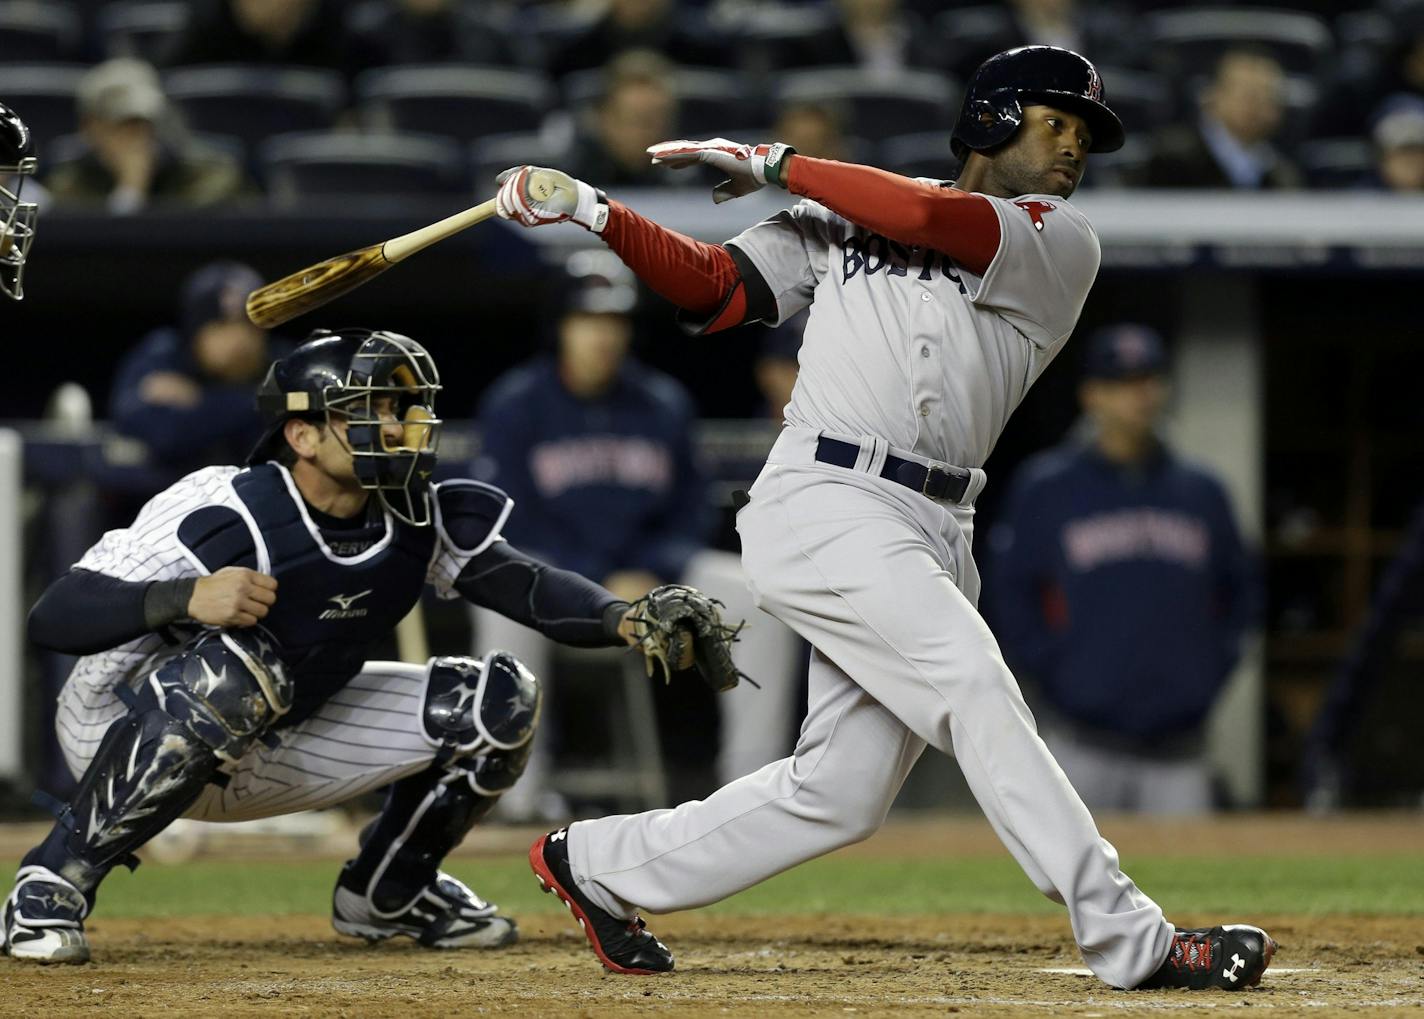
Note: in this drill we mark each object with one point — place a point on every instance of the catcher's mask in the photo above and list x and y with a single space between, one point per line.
372 379
17 218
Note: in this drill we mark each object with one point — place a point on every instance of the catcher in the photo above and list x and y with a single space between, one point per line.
224 638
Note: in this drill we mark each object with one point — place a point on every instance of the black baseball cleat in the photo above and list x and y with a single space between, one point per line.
1231 957
623 946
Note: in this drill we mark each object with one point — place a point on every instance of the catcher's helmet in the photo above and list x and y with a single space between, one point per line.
17 218
1003 84
348 371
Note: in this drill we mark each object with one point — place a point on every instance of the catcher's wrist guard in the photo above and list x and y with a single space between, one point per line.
681 629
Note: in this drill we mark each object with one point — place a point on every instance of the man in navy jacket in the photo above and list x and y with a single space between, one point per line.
1121 586
597 451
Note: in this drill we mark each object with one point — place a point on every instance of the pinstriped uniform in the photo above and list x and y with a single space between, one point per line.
366 735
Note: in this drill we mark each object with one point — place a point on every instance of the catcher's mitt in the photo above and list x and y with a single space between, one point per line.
682 630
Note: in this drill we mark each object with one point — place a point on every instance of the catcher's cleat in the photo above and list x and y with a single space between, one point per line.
44 918
1232 957
443 914
623 946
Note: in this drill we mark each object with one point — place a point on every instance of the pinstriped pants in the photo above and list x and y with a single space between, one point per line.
366 735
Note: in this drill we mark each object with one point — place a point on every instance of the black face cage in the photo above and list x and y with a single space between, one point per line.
17 228
393 381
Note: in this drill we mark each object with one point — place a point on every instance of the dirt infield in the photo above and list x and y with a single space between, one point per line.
728 965
969 965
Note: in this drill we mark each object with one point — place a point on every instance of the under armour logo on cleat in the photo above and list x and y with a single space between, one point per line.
1236 963
559 835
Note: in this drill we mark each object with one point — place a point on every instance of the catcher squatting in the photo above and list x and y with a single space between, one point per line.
224 639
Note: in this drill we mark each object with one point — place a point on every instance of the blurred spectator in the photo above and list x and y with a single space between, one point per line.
876 35
188 392
286 33
1325 763
637 109
430 32
1399 146
1098 30
1365 81
597 451
135 152
813 129
1230 145
662 26
1121 587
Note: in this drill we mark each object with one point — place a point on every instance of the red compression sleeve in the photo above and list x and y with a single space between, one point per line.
962 225
700 277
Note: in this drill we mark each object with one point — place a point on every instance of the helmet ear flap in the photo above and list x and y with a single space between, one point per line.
987 121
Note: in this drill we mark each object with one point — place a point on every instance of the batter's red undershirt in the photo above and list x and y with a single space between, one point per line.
703 279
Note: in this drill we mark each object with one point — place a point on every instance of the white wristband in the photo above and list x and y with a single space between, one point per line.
592 209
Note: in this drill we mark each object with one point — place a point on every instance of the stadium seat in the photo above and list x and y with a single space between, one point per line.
255 103
43 94
334 163
493 153
707 100
765 35
38 32
458 101
921 154
143 29
1143 101
1337 162
881 106
1190 41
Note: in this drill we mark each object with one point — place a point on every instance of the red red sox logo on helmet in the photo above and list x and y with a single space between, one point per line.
1035 211
1095 85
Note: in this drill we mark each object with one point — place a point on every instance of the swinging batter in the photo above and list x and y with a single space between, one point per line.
934 306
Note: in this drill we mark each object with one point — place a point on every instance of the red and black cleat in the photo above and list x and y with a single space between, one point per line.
623 946
1231 957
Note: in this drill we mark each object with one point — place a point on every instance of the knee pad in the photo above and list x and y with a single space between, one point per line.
479 706
228 687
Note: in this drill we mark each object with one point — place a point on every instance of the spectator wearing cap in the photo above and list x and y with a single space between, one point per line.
135 152
188 391
1232 142
1398 138
1121 590
597 450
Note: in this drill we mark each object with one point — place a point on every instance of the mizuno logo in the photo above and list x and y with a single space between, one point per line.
344 609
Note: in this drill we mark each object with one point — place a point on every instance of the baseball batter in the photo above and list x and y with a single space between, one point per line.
225 634
934 306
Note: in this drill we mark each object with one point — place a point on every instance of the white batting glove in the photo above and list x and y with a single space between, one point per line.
748 167
535 195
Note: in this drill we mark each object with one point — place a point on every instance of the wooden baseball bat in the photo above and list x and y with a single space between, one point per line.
315 285
411 641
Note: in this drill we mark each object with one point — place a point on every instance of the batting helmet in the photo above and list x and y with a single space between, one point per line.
1003 84
17 218
349 371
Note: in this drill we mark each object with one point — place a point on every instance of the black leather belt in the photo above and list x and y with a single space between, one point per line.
935 482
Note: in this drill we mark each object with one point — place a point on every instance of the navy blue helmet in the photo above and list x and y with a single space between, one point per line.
349 372
1007 82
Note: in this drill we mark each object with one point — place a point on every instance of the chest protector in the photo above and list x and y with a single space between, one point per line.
331 610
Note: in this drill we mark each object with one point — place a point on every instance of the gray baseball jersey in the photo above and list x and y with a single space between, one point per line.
904 344
905 353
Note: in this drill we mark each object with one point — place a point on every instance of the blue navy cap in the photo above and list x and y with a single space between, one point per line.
216 293
1125 351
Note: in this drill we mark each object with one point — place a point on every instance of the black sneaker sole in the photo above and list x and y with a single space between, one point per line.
549 883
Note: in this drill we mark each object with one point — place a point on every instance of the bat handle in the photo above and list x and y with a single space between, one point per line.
398 248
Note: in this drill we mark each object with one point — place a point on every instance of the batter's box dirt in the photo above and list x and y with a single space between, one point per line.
779 966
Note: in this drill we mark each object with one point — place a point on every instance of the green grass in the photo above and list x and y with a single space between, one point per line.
1241 887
